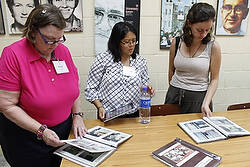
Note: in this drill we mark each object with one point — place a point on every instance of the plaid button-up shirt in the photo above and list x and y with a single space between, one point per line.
107 83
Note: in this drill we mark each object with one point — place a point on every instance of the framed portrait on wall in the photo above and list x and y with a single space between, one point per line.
110 12
173 16
232 17
17 13
71 11
2 30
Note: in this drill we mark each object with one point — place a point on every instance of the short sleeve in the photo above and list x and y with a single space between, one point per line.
74 68
9 71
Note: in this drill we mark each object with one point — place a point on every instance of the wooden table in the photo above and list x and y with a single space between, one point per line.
136 152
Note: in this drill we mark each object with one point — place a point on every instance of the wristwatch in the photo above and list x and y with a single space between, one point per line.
77 113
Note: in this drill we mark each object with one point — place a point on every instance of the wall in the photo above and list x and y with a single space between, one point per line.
234 84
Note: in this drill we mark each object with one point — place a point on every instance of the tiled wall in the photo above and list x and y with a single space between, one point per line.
234 85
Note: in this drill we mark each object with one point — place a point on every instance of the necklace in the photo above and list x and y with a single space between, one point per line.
195 51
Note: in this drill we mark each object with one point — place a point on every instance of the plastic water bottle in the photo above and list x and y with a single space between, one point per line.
144 110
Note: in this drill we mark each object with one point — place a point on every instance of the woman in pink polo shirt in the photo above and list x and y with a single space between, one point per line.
39 92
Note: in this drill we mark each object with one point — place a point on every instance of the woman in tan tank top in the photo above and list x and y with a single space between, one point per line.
194 70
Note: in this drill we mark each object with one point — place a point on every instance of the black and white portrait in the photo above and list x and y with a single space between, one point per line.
72 13
43 2
173 16
107 14
17 12
110 12
2 30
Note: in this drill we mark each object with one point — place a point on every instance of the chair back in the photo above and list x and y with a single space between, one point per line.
238 106
165 109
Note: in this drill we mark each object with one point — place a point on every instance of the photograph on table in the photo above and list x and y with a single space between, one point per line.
17 12
72 13
2 30
232 17
110 12
173 16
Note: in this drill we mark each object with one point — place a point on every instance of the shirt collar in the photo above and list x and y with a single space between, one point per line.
34 55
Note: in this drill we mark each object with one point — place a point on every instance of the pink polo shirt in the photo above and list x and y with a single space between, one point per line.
44 95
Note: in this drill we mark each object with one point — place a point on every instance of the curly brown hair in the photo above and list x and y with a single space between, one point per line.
199 12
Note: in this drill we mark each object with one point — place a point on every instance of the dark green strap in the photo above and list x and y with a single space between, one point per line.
177 41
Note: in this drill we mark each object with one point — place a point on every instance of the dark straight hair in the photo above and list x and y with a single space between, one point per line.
119 31
199 12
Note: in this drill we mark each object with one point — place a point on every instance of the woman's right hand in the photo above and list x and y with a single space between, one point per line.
101 112
51 138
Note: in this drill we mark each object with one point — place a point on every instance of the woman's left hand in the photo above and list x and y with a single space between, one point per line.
78 126
206 111
151 90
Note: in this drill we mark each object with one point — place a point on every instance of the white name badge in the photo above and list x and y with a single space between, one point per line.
60 67
129 71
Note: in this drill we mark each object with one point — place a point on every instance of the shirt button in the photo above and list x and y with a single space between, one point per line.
49 70
52 79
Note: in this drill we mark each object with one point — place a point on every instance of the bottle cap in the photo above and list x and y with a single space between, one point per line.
145 88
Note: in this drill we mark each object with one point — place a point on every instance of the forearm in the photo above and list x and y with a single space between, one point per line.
21 118
76 106
97 104
210 92
170 75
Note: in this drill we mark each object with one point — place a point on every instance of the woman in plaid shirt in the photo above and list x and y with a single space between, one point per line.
116 75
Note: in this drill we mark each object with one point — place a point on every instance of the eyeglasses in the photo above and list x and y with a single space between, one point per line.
238 9
127 43
51 42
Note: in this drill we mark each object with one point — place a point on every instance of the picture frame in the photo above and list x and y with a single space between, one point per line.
16 16
230 23
110 12
173 16
2 29
72 12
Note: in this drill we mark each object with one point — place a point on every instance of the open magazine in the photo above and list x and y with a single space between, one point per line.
180 153
127 109
98 144
212 129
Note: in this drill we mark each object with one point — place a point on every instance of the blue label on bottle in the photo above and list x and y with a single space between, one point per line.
145 103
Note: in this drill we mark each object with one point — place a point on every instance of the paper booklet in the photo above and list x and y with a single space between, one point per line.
212 129
98 144
180 153
127 109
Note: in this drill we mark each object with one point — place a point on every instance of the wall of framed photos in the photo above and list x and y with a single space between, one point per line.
234 83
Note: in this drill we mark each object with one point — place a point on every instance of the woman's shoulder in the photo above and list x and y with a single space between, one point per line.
16 48
139 57
105 56
20 44
216 46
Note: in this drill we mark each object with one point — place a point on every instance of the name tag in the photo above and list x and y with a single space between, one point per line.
60 67
129 71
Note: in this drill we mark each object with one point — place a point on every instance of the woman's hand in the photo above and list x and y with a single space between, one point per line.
78 126
51 138
102 113
206 111
151 90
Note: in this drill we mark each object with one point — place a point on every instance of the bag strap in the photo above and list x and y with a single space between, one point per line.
177 41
